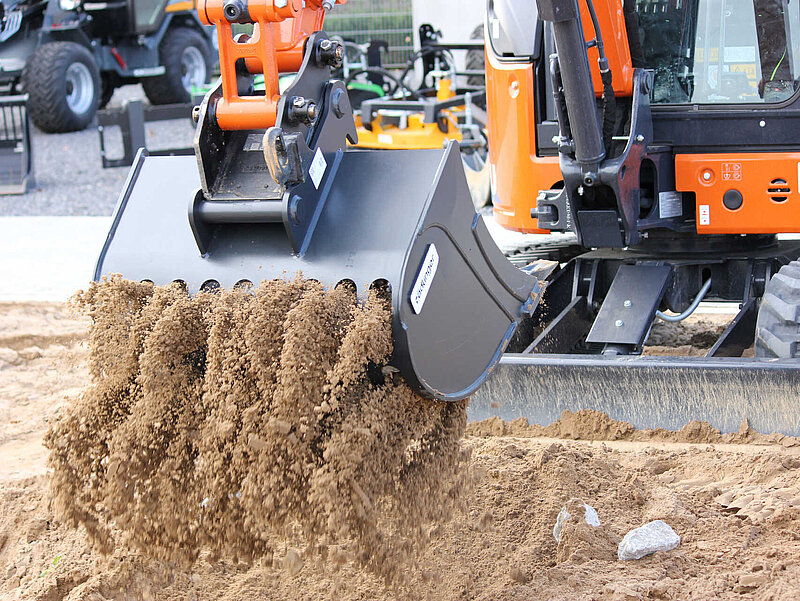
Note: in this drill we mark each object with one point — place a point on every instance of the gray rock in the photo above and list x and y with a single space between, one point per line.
645 540
589 515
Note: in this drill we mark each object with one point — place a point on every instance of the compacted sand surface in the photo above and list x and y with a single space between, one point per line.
734 500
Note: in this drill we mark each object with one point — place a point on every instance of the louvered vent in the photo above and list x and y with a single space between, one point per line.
779 190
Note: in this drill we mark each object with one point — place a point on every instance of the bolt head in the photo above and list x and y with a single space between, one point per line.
706 175
627 303
298 101
311 110
619 323
325 44
639 138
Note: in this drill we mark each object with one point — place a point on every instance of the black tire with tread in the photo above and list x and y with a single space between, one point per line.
168 88
476 59
778 323
44 80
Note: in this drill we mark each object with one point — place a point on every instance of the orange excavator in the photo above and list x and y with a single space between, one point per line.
663 134
669 158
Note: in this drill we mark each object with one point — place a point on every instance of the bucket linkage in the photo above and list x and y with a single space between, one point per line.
271 202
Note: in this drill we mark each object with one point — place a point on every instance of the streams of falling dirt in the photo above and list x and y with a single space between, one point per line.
239 420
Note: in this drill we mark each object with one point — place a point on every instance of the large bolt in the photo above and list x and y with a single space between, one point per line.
330 53
302 110
235 10
337 97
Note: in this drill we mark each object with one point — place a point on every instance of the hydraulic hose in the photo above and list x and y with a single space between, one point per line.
691 309
609 98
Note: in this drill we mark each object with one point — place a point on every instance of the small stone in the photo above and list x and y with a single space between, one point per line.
256 443
648 539
589 516
752 580
293 562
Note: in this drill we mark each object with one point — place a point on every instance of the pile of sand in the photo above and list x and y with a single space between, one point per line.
232 423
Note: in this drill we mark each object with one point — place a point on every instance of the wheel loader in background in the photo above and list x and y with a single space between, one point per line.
274 190
70 55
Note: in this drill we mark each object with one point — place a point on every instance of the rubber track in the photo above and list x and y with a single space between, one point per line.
778 326
48 106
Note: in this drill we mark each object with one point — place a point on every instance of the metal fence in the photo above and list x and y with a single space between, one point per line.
363 20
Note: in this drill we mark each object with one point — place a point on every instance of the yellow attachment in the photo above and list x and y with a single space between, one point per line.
180 6
417 135
444 89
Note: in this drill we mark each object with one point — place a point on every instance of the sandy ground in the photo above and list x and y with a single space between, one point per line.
735 502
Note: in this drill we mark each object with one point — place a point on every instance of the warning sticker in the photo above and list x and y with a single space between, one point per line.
705 214
731 172
317 169
424 279
254 143
670 204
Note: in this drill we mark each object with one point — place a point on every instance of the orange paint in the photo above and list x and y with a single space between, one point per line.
275 47
517 172
762 179
615 42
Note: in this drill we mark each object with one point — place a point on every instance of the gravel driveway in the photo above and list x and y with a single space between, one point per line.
69 176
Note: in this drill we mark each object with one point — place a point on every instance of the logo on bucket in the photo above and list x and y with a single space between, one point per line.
424 279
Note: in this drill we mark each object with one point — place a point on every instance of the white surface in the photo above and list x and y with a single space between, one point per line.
647 539
48 258
589 516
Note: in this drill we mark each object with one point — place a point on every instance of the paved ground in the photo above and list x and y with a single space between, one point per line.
69 177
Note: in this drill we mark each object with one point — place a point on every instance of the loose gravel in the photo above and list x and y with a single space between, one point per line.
69 178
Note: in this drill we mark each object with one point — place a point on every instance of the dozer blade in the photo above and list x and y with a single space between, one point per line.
399 217
648 392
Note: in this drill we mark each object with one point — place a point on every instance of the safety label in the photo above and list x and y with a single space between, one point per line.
317 169
424 279
254 143
731 172
705 214
670 204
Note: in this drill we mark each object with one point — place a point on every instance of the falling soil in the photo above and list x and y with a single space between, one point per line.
734 499
237 422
